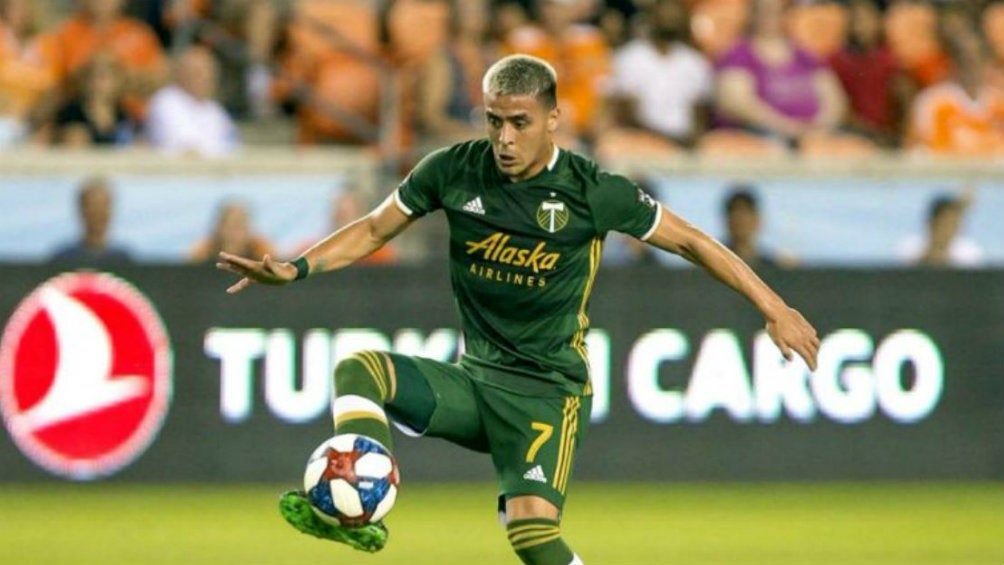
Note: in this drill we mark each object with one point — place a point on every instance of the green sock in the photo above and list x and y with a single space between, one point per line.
537 541
363 383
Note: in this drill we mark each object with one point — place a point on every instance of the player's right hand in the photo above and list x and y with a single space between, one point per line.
267 271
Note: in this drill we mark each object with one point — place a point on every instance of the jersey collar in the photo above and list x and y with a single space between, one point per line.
554 158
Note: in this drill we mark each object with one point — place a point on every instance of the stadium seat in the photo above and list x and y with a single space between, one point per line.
322 25
333 46
417 28
819 28
736 143
717 24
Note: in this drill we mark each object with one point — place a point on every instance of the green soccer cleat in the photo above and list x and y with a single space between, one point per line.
295 508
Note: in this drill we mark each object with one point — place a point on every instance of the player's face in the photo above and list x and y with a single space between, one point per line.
521 130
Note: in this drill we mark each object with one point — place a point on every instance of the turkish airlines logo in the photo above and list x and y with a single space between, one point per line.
85 375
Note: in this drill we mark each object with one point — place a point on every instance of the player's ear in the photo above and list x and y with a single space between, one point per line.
552 119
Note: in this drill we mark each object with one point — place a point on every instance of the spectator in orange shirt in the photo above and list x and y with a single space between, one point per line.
578 52
233 233
99 26
963 115
26 72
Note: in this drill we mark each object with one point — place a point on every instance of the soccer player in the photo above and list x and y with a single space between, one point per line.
527 221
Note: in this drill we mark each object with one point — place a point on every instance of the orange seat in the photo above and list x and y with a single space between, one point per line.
819 28
716 25
417 28
342 85
332 50
736 143
320 26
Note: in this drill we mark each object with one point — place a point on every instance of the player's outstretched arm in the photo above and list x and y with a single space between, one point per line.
790 330
338 250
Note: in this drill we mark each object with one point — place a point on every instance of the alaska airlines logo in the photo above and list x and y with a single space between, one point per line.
552 215
496 248
85 375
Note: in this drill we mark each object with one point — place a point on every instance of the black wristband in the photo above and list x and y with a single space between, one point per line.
302 268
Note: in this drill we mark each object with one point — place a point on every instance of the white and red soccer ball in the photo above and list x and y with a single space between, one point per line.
351 480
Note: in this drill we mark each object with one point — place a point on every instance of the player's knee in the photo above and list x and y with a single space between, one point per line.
367 373
537 541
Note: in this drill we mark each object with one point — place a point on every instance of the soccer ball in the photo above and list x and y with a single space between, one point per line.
351 480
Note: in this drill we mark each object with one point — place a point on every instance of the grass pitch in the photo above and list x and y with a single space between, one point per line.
608 524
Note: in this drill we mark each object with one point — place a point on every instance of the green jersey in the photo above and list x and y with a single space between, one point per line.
523 257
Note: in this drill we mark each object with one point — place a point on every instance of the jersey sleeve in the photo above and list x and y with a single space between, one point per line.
620 205
418 193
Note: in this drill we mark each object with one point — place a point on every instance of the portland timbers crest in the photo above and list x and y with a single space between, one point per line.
552 215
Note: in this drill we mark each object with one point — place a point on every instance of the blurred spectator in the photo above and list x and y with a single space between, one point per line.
942 246
94 205
992 27
580 55
912 33
615 19
717 25
506 17
660 83
27 75
742 222
818 26
184 116
346 207
965 114
100 27
772 87
96 116
231 232
242 35
449 82
877 91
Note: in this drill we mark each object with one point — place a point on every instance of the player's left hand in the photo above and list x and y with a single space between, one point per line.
791 332
267 271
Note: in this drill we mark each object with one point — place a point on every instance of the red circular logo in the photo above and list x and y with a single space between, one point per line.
85 375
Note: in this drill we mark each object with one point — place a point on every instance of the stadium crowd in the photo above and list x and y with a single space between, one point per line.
637 77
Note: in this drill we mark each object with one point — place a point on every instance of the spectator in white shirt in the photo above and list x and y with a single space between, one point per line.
660 83
184 117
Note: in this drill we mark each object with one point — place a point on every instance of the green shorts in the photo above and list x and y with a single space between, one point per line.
532 440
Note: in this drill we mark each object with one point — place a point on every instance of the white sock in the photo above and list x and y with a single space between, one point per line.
576 560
